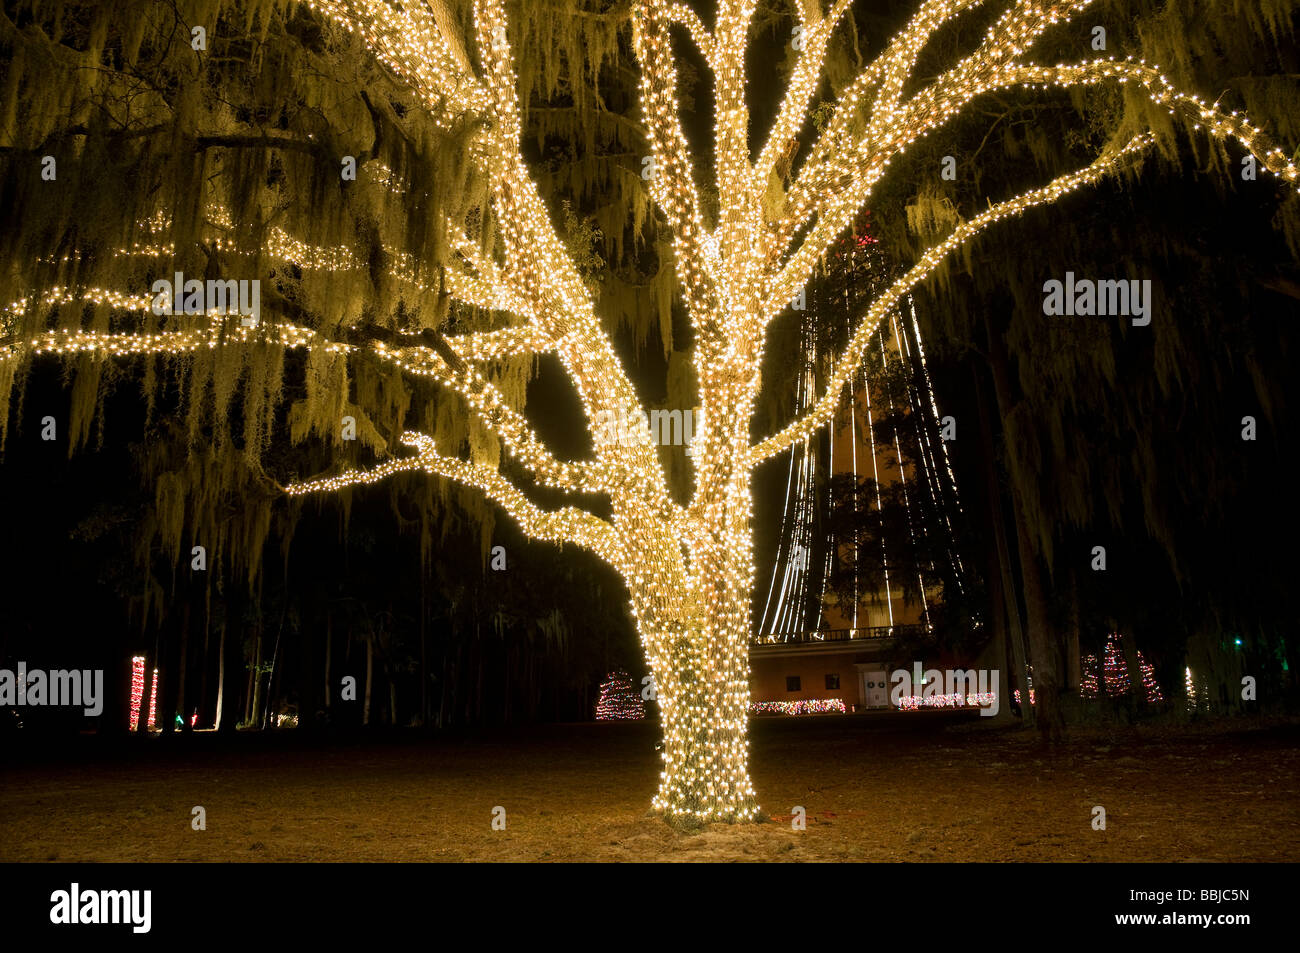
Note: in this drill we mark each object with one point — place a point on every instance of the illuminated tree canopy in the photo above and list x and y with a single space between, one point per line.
420 296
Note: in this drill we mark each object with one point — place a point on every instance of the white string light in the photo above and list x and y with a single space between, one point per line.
689 570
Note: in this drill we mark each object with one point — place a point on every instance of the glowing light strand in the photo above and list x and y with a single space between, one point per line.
689 570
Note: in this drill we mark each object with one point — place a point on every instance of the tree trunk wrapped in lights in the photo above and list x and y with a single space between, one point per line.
688 566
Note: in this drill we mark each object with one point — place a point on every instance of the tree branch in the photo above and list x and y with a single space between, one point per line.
570 524
433 357
684 15
417 43
671 184
824 408
839 177
799 91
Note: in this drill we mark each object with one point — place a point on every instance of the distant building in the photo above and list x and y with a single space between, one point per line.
835 607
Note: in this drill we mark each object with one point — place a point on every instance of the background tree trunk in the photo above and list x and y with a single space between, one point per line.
221 675
329 641
424 651
1042 642
232 656
1073 660
182 667
254 694
1042 638
370 672
1137 700
165 719
207 656
1002 583
999 654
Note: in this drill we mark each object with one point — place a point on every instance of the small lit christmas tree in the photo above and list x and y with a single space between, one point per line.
1115 673
619 699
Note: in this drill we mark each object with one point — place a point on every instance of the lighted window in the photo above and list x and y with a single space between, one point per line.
792 683
833 682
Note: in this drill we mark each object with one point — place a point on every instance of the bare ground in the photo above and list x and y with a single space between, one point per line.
875 788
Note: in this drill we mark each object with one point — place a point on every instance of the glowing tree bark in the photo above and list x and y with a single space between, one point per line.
688 568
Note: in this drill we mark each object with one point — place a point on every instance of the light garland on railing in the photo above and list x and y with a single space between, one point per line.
950 700
801 706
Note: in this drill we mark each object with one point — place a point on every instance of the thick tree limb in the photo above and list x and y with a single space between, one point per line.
570 524
799 91
671 183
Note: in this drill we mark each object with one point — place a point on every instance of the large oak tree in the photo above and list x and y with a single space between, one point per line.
383 169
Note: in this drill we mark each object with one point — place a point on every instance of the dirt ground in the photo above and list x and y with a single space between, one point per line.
921 787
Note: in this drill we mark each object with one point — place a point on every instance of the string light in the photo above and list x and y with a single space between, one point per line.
1114 673
1198 691
787 601
153 702
802 706
619 700
689 570
823 409
137 690
950 700
1088 677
